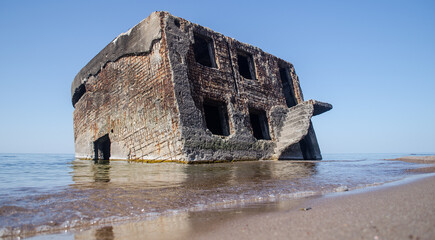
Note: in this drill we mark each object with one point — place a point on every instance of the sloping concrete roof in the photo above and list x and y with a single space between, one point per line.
137 40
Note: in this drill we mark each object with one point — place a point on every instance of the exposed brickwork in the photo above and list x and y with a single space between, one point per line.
132 100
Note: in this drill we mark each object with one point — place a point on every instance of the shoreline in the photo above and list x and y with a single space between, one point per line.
430 159
397 210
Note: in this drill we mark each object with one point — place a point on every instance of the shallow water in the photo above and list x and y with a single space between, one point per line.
48 192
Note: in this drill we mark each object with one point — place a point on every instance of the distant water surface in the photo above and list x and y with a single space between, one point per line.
52 192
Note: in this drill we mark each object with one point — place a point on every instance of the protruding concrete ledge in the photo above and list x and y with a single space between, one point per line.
319 107
296 126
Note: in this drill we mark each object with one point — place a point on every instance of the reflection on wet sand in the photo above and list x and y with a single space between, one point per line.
104 233
182 225
154 192
172 227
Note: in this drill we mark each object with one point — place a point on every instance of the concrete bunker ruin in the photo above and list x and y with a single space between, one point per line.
172 90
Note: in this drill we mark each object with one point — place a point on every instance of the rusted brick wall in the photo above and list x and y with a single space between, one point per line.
218 83
132 100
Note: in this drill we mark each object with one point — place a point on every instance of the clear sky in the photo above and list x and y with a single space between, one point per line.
374 60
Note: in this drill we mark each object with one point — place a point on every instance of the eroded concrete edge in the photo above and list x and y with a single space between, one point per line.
137 40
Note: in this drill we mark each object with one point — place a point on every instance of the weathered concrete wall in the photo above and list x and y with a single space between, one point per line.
137 40
132 100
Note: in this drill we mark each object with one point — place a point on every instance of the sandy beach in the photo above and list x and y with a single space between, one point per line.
419 159
400 211
416 159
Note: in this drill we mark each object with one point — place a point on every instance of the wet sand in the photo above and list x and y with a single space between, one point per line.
416 159
419 159
398 212
404 211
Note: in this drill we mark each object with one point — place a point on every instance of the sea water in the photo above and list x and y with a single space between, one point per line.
42 193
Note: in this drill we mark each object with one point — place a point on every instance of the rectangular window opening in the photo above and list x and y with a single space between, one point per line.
216 118
246 65
204 50
102 148
286 86
259 125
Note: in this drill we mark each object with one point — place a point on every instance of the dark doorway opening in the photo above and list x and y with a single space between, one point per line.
286 86
102 148
216 118
260 127
246 65
203 50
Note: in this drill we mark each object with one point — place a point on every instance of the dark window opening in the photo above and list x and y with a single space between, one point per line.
78 93
246 65
260 127
216 118
102 148
204 51
286 86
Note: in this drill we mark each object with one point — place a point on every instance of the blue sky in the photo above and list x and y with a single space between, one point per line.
373 60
